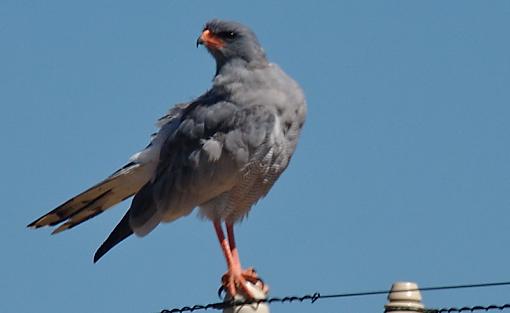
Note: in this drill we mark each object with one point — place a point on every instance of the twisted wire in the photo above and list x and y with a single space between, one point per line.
491 307
317 296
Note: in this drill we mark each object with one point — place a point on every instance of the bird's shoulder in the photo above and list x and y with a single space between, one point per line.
215 114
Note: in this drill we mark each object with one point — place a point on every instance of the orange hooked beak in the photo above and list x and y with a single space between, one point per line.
209 40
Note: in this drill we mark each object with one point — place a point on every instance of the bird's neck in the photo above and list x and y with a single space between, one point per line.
224 67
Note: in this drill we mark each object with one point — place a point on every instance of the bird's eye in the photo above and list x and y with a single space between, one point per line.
228 35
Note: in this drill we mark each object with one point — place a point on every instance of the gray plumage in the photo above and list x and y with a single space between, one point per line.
221 152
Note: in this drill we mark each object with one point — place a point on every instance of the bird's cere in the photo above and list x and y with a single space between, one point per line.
210 40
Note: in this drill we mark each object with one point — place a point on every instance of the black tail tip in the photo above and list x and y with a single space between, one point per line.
97 256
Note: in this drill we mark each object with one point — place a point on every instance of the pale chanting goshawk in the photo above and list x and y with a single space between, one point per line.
219 153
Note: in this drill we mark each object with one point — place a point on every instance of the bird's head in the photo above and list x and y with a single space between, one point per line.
228 41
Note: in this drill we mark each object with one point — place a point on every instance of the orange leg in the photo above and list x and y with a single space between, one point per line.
249 274
235 277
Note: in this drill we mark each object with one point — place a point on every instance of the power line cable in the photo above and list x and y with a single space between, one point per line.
492 307
317 296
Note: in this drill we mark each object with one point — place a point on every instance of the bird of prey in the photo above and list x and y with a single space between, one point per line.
219 153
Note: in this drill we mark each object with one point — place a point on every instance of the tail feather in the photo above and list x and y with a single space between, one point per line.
119 233
83 215
121 185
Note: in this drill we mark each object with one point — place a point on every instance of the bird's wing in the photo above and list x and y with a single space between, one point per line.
202 159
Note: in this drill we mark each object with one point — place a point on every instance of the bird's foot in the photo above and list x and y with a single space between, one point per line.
235 281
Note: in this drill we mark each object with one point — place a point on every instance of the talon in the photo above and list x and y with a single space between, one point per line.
262 285
235 283
221 290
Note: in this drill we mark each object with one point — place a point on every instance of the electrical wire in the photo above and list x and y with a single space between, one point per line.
486 308
317 296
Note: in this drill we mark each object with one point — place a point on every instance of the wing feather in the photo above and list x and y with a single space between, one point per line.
205 156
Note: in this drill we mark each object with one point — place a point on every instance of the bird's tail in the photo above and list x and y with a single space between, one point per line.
119 233
119 186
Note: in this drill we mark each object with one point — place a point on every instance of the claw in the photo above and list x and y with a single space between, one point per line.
221 290
236 282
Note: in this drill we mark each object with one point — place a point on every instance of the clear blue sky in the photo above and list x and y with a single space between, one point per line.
402 172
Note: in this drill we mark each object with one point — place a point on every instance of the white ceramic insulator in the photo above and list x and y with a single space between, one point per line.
404 297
